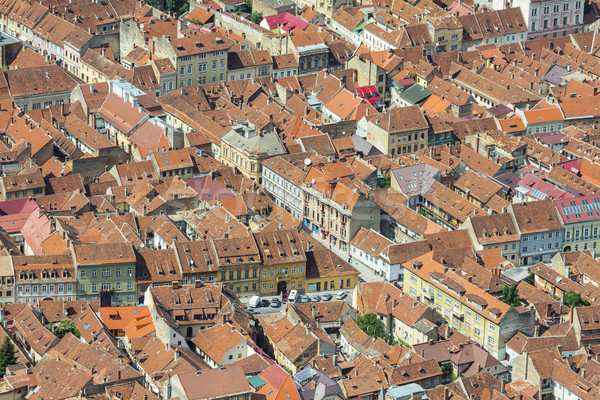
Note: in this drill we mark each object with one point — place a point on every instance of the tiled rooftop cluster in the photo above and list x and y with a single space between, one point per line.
434 166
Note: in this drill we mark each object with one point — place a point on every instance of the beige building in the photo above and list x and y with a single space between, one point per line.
398 131
446 32
245 149
335 211
197 59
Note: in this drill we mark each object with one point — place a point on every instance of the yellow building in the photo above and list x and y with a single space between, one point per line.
283 261
327 271
200 58
245 149
467 308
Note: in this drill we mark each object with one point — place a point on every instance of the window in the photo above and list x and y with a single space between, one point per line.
264 286
221 64
476 331
94 287
293 270
129 272
264 273
454 37
271 285
118 285
129 285
214 65
82 274
492 327
413 292
81 288
118 272
533 12
189 70
301 269
413 278
477 318
202 68
94 273
182 70
106 272
491 340
106 286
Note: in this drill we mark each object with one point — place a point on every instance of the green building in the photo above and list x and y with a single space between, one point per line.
105 272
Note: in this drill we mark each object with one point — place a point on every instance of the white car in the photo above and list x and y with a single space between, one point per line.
340 295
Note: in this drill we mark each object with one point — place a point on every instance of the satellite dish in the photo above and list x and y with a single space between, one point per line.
307 162
313 181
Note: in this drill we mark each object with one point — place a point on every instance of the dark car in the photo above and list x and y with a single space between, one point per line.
264 303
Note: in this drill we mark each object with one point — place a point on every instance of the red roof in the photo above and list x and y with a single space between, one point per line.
579 209
369 93
209 189
288 22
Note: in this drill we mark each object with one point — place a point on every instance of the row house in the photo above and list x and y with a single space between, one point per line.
49 34
310 51
348 22
495 231
446 33
23 18
581 221
334 210
540 229
47 277
282 179
106 272
493 27
547 18
398 131
245 149
201 58
466 307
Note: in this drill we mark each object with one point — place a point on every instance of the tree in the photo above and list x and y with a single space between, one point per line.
256 17
386 182
7 355
510 295
530 279
573 299
61 328
371 325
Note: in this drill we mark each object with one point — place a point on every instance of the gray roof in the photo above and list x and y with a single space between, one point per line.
405 391
555 74
364 147
267 144
323 387
516 274
415 180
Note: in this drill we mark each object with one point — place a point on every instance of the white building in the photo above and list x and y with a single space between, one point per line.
545 18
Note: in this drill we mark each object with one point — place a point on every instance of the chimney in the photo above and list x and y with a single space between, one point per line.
503 386
445 393
177 354
118 375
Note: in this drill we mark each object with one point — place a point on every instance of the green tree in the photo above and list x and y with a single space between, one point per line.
7 355
530 279
510 295
371 325
256 17
61 328
573 299
386 182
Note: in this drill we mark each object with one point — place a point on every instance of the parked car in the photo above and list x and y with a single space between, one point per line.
340 295
316 298
265 303
293 297
284 297
327 297
304 299
253 310
275 302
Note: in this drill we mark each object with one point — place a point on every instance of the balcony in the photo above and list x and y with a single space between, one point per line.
458 313
428 293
